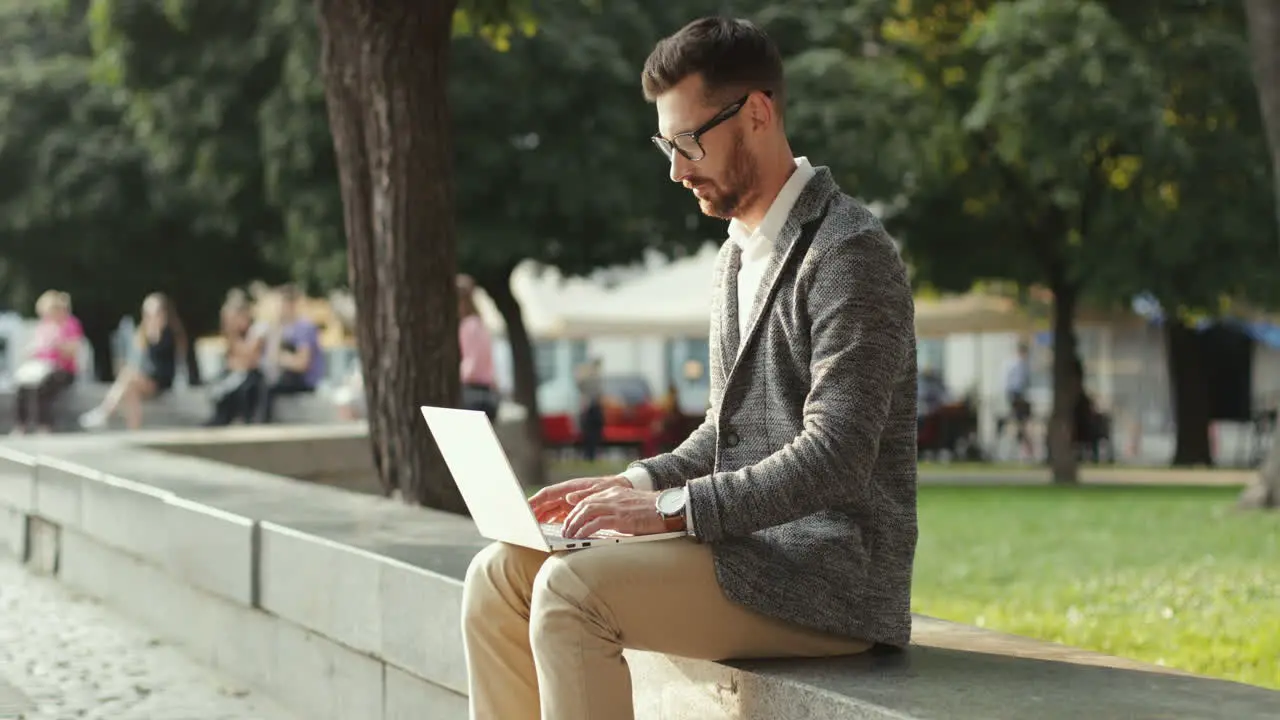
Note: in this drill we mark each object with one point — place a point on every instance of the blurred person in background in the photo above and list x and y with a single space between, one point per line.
235 394
931 392
348 397
295 357
1017 384
475 344
591 413
162 344
50 363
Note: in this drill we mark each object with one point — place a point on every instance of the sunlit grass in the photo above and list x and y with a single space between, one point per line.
1167 575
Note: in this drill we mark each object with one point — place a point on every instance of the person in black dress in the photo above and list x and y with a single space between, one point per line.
161 347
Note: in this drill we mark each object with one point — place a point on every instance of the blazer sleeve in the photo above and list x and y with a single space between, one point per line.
862 323
695 457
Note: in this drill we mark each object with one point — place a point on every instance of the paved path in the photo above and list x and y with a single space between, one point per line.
64 657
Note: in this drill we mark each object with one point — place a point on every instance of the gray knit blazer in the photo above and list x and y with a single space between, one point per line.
803 475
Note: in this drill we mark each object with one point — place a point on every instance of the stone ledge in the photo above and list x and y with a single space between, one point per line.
180 407
17 480
361 595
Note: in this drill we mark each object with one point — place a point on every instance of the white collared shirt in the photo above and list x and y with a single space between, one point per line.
757 245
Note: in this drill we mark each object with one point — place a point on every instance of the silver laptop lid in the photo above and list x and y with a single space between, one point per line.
484 476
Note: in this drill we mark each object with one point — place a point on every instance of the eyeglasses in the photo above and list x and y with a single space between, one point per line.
689 144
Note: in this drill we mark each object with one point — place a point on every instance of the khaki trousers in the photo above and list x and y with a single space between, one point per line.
544 634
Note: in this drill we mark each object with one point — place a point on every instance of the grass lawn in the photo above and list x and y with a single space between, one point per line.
1169 575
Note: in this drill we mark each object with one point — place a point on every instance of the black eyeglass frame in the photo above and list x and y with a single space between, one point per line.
669 146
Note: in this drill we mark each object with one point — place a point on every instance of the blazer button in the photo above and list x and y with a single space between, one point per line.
731 439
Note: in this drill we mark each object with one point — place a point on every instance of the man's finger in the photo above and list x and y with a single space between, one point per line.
581 515
554 492
578 496
544 495
592 487
604 522
560 489
547 512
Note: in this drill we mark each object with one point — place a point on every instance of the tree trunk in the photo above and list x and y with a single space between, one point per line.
1189 391
1066 387
385 68
1264 39
498 286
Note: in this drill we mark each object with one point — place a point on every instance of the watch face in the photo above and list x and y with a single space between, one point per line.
671 502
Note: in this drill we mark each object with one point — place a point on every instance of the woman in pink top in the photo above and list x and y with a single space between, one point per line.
50 365
476 344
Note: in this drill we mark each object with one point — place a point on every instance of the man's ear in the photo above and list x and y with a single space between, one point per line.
761 111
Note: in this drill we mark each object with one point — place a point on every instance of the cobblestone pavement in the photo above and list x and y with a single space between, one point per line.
75 659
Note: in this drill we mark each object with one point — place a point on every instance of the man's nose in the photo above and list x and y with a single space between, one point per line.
680 166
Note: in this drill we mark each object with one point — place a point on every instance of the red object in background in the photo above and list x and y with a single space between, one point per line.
631 417
559 430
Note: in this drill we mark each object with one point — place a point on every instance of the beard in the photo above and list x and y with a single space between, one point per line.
725 197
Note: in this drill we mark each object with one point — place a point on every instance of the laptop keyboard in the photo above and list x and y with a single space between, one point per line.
556 530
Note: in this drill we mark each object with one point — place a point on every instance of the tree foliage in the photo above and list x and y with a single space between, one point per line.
1264 40
1084 146
84 206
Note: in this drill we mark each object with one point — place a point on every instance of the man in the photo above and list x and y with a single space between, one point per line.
1017 381
591 408
798 491
299 356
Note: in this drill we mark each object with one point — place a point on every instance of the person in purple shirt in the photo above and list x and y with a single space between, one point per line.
300 358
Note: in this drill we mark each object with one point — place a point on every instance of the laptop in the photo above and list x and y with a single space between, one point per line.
492 491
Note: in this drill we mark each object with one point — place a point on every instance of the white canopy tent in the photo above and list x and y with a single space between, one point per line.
545 298
671 301
675 301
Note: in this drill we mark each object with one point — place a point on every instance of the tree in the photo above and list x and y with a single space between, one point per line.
82 207
566 202
205 81
1264 34
1195 256
1015 116
385 70
1047 143
564 173
551 138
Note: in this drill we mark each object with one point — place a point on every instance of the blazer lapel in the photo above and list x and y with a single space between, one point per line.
777 260
729 339
810 207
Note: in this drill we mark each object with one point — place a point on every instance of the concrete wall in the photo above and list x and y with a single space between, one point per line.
296 616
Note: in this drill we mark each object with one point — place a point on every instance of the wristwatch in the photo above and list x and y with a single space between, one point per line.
670 505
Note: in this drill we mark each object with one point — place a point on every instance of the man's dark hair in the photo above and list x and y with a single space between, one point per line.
734 57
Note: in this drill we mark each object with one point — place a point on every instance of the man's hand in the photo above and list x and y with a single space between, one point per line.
590 505
620 509
553 502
